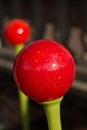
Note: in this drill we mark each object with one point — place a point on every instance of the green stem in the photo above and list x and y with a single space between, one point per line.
24 110
52 109
18 47
23 99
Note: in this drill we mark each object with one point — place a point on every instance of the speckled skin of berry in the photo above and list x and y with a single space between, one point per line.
44 70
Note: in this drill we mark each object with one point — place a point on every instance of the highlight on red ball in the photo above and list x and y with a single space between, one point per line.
44 70
17 31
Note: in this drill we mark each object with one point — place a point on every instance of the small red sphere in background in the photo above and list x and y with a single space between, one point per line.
16 31
44 70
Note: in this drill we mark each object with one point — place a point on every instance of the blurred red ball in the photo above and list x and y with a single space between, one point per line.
44 70
16 31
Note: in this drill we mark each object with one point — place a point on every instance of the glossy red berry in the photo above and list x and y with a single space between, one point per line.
16 31
44 70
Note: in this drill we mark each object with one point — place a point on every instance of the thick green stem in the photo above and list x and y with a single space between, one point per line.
52 109
24 106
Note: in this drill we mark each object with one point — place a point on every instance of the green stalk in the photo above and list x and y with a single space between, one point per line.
24 110
17 48
23 99
52 110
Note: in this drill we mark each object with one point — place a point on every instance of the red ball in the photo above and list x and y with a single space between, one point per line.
44 70
16 31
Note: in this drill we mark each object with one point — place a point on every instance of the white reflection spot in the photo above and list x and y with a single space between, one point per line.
53 65
20 31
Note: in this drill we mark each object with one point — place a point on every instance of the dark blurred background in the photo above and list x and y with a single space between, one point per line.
64 21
